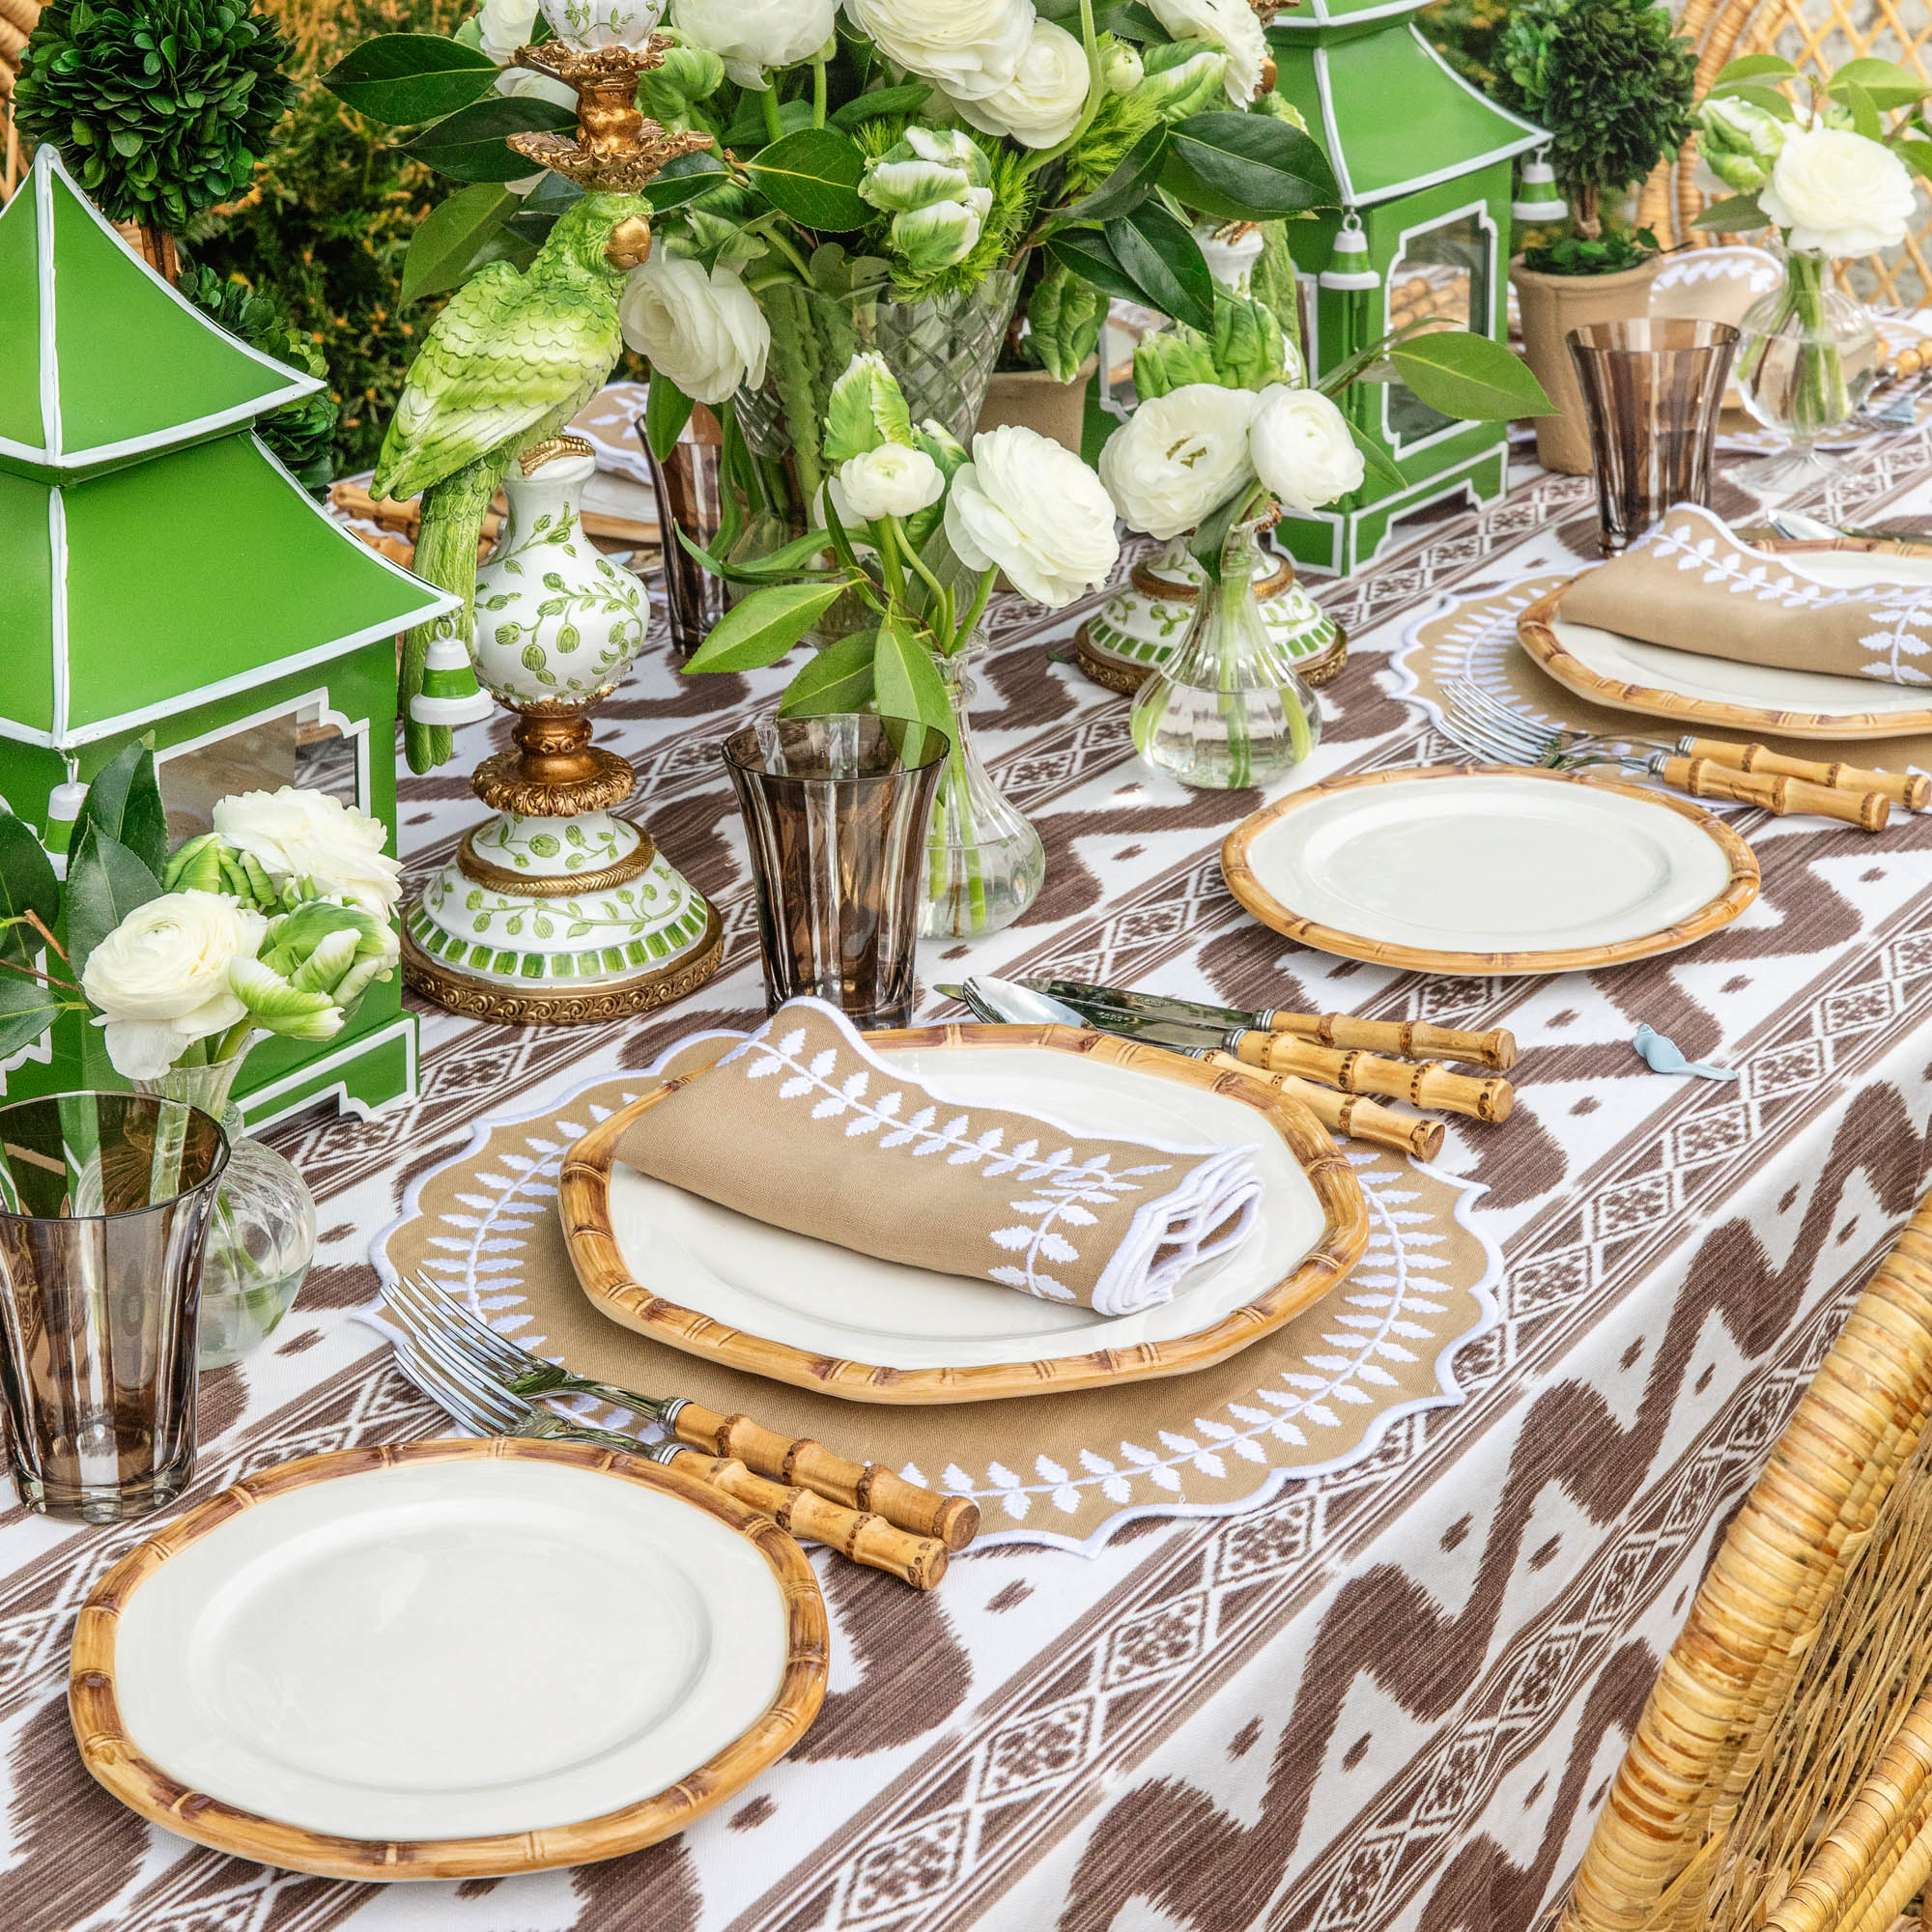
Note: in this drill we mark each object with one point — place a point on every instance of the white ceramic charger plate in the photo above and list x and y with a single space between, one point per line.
1654 680
1487 870
447 1659
715 1282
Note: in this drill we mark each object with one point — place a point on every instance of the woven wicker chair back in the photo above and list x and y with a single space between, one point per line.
1780 1778
1819 36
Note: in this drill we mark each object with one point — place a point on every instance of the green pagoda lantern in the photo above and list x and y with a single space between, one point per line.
161 575
1424 164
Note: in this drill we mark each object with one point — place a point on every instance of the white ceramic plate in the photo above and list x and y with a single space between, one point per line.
1493 870
496 1641
827 1300
1757 695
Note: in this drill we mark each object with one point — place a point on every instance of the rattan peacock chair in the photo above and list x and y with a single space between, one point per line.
1817 34
18 18
1780 1776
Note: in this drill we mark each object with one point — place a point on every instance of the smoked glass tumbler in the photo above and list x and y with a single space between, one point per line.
835 812
104 1204
1652 389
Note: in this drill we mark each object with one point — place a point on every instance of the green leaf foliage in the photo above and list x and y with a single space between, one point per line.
839 678
1610 80
813 177
681 180
27 885
1375 458
443 249
27 1010
1129 184
906 682
1162 256
1611 252
1754 67
104 883
907 99
1247 167
666 410
761 629
1735 215
403 79
1470 377
1884 82
472 144
1086 254
124 802
159 109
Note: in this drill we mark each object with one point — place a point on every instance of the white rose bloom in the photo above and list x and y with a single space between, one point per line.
505 25
750 36
1179 456
311 836
890 481
971 47
1230 24
1838 193
603 23
703 331
160 978
1036 511
1301 448
1041 105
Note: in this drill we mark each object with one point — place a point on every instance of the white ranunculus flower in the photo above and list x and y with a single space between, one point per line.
307 835
890 481
1838 193
971 47
1178 456
502 26
1230 24
1041 105
603 23
750 36
1301 449
160 978
703 331
1036 511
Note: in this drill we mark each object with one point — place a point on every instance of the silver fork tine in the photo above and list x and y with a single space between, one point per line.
419 1371
1477 738
1487 709
476 1336
505 1410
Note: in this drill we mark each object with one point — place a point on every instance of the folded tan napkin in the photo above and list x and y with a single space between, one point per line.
1694 585
806 1127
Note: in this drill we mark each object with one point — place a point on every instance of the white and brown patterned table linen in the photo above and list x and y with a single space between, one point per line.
1386 1698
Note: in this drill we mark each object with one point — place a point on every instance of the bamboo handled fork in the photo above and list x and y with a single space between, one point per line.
868 1486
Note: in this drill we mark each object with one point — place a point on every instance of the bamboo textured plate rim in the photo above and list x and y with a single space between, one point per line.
584 1202
1739 889
1538 637
117 1763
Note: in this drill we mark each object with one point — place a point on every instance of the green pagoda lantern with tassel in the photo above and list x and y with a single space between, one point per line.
162 576
1424 164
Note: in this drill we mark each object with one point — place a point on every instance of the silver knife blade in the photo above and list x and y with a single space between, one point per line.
1017 1003
1153 1005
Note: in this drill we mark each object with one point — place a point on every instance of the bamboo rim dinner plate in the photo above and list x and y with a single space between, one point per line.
712 1282
1488 869
447 1659
1628 675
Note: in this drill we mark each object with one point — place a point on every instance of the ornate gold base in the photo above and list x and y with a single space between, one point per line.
560 1004
1113 674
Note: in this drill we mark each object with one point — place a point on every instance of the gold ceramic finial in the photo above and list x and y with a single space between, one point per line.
617 150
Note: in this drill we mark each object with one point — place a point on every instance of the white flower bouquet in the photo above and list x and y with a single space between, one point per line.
1834 181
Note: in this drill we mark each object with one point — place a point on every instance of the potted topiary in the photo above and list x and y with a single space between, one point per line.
1612 84
158 108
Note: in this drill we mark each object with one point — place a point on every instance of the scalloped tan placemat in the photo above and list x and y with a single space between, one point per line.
1315 1396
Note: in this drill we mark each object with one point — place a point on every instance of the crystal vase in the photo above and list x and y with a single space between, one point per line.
984 864
261 1236
1807 361
1228 708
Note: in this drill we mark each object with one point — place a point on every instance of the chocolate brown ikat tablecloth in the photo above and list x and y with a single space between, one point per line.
1374 1690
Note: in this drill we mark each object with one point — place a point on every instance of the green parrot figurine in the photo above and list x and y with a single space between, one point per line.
511 359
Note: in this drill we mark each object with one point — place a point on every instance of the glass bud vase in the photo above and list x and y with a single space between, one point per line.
1808 359
1227 709
984 864
261 1236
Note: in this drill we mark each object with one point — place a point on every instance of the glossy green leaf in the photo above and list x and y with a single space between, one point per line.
1777 106
125 800
27 885
401 79
1129 184
1085 252
472 144
840 678
764 627
1735 215
907 683
444 245
908 99
814 176
1918 156
1469 377
1163 257
1247 167
683 179
27 1010
1754 67
1376 458
104 883
1888 84
1865 118
748 130
666 410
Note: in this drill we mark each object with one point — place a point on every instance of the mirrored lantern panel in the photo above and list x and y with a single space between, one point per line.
1444 274
299 747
